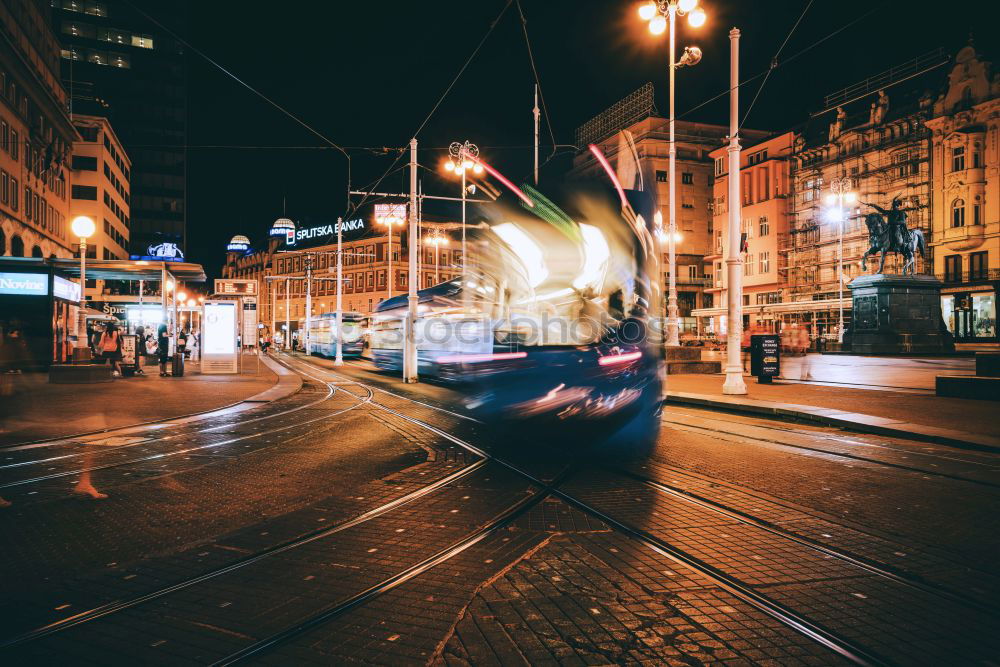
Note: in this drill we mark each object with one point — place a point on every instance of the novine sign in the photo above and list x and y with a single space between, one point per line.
326 231
24 283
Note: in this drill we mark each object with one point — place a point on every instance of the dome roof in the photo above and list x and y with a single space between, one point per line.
240 243
240 238
282 224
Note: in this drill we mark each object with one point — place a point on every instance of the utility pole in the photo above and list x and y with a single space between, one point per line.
309 274
734 263
287 338
672 333
274 299
339 361
536 112
410 345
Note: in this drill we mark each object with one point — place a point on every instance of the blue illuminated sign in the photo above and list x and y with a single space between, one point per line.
25 284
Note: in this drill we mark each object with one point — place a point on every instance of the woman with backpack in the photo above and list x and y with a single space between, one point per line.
163 348
110 347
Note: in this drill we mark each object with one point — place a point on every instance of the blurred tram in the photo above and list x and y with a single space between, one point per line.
552 326
323 334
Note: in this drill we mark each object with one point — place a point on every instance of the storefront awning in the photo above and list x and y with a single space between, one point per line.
117 269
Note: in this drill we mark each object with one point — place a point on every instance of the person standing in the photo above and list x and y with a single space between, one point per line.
110 347
163 348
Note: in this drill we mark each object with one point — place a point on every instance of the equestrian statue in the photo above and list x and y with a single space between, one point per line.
890 234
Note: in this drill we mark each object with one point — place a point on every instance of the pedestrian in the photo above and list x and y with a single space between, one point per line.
110 347
182 342
163 348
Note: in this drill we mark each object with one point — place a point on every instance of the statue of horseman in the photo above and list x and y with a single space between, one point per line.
890 234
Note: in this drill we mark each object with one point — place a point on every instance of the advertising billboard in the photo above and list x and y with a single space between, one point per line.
24 284
219 337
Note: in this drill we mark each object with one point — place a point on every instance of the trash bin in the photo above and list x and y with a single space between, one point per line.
178 367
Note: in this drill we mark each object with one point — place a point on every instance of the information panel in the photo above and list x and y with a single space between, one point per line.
249 331
219 352
765 356
235 287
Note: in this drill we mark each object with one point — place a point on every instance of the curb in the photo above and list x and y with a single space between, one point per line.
288 383
854 421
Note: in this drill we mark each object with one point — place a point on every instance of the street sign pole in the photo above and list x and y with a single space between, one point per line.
339 361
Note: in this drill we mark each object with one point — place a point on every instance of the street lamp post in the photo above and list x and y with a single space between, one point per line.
463 157
662 14
840 192
389 222
84 228
339 360
437 240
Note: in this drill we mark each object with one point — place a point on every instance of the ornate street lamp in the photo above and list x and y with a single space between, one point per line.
840 193
662 14
83 228
462 157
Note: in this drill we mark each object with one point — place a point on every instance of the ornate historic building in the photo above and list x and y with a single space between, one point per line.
965 179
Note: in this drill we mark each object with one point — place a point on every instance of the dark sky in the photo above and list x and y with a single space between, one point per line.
366 74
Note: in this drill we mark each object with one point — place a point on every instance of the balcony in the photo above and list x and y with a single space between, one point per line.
976 277
963 238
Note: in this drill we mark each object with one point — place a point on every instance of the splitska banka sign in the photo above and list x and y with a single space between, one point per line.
24 283
325 231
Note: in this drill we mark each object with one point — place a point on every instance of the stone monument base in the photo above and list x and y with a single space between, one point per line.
895 314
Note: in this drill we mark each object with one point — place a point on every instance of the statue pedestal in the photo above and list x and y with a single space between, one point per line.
894 314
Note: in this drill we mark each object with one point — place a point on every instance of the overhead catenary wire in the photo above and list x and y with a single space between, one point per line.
441 99
538 81
774 63
256 92
786 61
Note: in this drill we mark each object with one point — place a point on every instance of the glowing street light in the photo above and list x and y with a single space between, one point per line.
840 193
388 222
662 14
462 157
437 240
83 227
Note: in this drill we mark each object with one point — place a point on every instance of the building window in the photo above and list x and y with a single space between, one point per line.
978 265
757 158
687 178
958 213
764 184
720 166
953 268
84 163
977 157
765 261
142 41
661 176
765 226
15 145
748 265
976 214
958 158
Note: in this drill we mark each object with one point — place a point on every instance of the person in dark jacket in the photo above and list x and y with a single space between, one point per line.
163 348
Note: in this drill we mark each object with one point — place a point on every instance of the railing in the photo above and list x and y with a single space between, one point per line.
970 277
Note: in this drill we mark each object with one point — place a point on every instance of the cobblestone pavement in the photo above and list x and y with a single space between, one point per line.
359 522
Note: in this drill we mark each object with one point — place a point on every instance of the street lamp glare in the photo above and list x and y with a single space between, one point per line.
647 11
697 18
658 25
830 200
182 296
83 227
449 166
687 5
477 168
851 197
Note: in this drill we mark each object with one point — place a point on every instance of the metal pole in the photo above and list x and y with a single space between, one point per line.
437 262
410 348
536 112
672 335
81 337
840 268
463 215
177 288
287 338
309 274
142 316
339 360
274 299
163 298
389 277
734 263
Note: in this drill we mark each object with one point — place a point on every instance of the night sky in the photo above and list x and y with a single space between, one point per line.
366 74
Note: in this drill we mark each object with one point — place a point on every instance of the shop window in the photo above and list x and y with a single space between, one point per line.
984 315
958 213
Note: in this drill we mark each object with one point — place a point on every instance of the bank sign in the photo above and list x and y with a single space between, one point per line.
325 233
24 284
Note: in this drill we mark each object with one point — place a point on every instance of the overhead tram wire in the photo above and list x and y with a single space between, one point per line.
447 90
787 60
246 85
774 64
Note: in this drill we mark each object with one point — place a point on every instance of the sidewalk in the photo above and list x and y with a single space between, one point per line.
32 409
925 417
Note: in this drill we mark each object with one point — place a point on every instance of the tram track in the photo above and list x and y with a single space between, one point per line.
750 439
